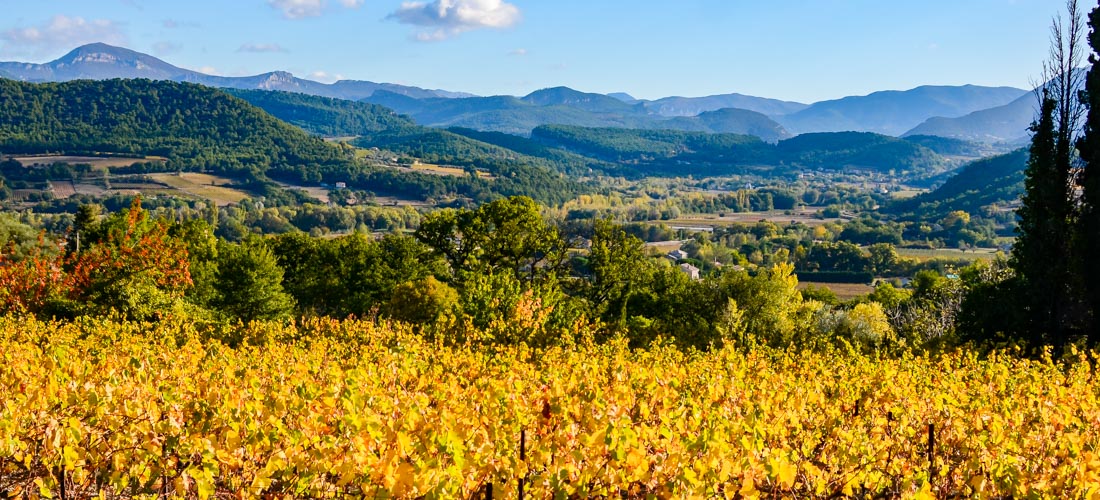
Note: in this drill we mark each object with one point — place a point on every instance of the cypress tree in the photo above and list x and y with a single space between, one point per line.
1040 255
1088 221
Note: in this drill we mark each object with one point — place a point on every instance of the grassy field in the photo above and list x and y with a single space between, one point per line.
206 186
316 192
94 161
444 170
906 193
844 291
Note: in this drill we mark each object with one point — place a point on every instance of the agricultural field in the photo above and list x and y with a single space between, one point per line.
843 291
428 168
903 194
318 193
206 186
361 409
805 216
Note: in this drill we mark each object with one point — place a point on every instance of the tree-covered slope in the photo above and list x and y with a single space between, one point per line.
323 115
681 152
198 127
998 180
191 125
730 121
856 149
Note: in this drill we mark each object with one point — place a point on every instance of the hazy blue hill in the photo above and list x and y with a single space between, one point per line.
594 103
100 61
563 106
691 106
999 124
896 112
624 97
732 121
498 113
998 180
324 115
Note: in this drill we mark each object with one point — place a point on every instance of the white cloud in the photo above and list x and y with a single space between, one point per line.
262 48
323 77
447 18
209 70
298 9
61 32
518 52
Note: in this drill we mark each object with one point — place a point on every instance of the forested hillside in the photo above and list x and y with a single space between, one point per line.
996 181
679 152
194 127
323 115
200 128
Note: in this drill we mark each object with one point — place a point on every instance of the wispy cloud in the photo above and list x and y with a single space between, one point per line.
165 47
261 48
61 32
447 18
518 52
174 24
300 9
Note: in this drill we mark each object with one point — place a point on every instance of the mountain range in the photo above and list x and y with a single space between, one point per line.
1007 123
987 114
99 61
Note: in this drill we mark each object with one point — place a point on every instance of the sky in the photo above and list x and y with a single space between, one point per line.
798 50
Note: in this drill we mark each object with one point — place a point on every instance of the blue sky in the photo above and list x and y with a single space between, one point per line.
803 50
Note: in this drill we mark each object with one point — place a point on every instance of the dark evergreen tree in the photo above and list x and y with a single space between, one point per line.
1041 248
1088 222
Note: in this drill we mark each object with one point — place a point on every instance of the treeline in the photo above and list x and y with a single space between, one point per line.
501 272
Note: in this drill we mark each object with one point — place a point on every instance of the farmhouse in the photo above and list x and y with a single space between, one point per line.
690 270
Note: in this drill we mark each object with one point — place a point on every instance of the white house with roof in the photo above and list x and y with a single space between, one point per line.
690 270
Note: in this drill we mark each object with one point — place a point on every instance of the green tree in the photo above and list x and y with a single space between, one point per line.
250 283
422 302
618 267
508 234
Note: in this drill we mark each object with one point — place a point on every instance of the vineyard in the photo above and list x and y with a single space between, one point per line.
337 409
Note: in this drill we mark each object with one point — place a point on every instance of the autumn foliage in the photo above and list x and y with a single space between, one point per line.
135 258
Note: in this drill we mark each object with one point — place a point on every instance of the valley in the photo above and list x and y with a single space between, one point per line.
613 271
